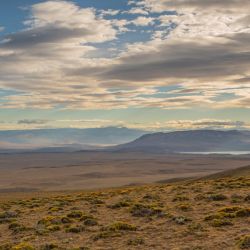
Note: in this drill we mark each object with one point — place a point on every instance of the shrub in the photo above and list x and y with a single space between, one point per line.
217 197
23 246
184 207
75 214
49 246
90 222
6 247
119 204
181 220
75 229
142 210
49 220
247 198
121 226
8 216
106 234
180 198
66 220
16 228
221 223
53 228
136 242
244 242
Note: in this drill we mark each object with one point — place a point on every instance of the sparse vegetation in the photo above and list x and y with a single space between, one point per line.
143 217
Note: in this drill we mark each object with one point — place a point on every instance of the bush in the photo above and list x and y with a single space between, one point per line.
136 242
141 210
247 198
119 204
221 223
50 246
244 242
121 226
16 228
90 222
75 214
106 234
181 220
217 197
180 198
6 247
23 246
75 229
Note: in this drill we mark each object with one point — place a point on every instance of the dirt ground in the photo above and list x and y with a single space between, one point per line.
91 170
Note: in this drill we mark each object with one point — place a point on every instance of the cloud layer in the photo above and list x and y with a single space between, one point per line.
187 53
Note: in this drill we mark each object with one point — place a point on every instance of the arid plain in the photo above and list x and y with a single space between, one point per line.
92 170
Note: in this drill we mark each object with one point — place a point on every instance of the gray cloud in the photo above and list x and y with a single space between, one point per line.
190 60
32 122
221 6
32 37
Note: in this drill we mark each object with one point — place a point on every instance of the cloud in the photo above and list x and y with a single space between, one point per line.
136 11
32 122
143 21
195 124
1 28
184 59
194 5
109 12
69 57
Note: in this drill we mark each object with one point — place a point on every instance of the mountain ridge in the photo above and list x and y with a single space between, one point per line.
188 141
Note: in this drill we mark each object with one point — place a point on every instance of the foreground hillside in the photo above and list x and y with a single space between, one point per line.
211 213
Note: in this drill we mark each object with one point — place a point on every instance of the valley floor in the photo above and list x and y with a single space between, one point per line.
92 170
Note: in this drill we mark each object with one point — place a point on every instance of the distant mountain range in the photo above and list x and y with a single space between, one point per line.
190 141
123 140
66 139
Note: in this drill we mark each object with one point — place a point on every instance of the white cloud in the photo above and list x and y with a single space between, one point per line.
1 28
136 11
109 12
192 125
143 21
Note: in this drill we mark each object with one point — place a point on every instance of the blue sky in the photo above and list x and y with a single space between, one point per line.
148 64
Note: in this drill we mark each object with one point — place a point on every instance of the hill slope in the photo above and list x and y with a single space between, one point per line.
190 141
204 214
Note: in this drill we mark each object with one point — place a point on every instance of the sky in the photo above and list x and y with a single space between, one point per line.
146 64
